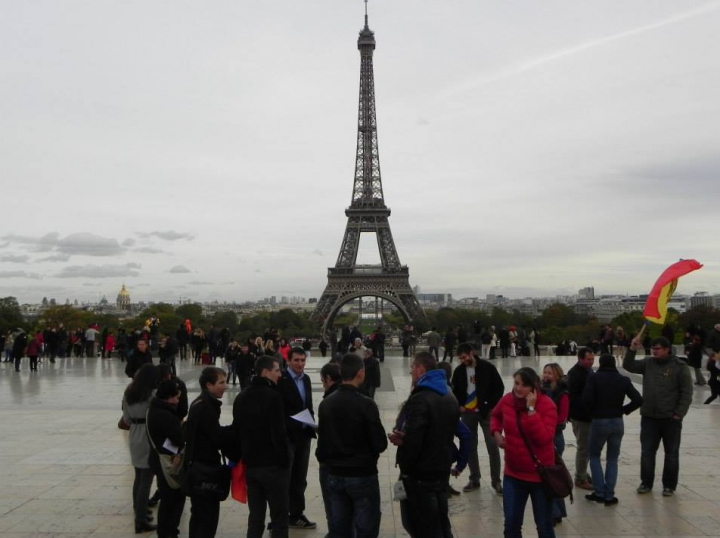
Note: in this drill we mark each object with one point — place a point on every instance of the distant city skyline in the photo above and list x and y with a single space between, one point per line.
524 152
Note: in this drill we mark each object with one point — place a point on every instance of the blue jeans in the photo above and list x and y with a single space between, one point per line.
652 431
610 431
515 496
354 506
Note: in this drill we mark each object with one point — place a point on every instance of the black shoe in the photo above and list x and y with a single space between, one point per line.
302 523
611 502
593 497
152 502
145 526
557 521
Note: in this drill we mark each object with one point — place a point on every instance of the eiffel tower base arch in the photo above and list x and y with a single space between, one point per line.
343 288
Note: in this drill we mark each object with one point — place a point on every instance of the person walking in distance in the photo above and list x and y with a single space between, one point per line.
667 394
450 340
433 341
478 387
579 416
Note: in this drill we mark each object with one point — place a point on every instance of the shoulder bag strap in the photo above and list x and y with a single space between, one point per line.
527 443
190 454
147 430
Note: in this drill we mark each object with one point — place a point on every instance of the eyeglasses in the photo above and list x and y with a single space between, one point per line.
657 348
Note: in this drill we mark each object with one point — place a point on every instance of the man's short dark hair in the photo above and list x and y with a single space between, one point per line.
211 375
297 351
350 365
265 362
662 342
583 351
425 359
465 348
331 370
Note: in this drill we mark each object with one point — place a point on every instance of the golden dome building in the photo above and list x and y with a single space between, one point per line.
123 299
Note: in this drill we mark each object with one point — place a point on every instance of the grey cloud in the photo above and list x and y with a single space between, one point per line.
15 258
54 258
149 250
179 269
100 271
5 244
19 274
170 235
83 243
200 283
128 242
89 245
317 252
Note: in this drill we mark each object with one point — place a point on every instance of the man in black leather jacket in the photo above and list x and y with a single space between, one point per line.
424 433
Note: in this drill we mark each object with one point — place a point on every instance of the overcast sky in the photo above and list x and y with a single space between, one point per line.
207 151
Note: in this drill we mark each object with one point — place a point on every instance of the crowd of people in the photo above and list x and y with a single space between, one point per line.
444 406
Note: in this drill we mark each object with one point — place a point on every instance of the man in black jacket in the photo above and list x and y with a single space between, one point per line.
478 387
351 437
139 356
579 415
259 420
296 391
330 379
424 432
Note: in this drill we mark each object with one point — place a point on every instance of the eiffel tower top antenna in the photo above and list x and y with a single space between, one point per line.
366 20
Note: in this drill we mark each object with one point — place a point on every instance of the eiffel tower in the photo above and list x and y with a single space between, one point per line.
367 214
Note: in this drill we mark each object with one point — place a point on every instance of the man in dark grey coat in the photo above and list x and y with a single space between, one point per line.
667 394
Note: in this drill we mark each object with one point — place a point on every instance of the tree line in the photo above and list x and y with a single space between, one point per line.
556 323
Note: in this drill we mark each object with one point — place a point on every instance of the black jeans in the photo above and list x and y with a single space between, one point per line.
141 493
267 486
204 516
172 503
652 431
299 461
425 511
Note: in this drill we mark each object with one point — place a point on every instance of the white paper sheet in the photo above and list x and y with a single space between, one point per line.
170 447
305 417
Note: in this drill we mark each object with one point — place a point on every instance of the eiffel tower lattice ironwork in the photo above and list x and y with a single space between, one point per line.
367 214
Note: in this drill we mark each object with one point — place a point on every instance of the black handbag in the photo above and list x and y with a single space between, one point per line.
211 482
204 480
556 479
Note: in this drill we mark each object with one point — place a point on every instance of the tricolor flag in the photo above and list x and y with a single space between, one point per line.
657 302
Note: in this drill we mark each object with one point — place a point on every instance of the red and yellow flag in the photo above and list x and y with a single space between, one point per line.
657 302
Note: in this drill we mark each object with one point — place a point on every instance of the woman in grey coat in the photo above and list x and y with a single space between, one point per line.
135 404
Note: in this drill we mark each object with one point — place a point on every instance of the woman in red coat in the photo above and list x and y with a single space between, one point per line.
525 411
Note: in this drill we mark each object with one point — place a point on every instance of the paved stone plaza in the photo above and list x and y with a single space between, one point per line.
66 470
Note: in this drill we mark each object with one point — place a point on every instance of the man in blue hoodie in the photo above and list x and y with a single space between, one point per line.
425 432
